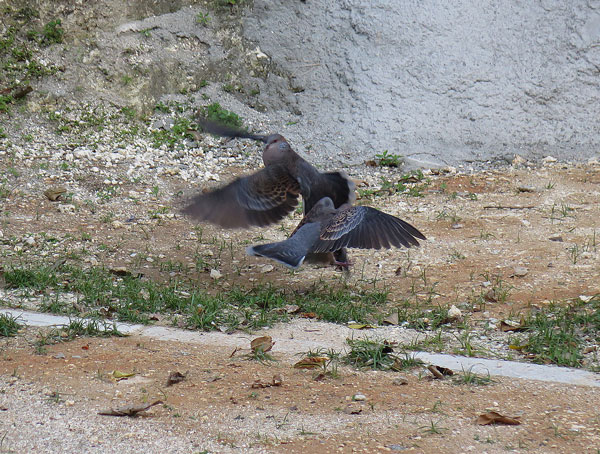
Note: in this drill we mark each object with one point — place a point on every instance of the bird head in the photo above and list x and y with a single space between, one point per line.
276 150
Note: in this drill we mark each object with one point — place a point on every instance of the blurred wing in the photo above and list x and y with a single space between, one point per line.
366 228
259 199
220 129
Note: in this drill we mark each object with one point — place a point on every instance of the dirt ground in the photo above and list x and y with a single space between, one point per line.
479 226
50 404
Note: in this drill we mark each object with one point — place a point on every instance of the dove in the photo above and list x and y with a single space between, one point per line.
327 229
268 195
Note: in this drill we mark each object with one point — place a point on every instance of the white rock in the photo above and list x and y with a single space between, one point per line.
520 271
267 268
454 313
66 208
30 240
549 159
215 274
359 397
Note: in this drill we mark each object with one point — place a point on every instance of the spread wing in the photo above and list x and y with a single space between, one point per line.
366 228
259 199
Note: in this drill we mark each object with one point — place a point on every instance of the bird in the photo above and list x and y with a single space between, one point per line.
327 229
268 195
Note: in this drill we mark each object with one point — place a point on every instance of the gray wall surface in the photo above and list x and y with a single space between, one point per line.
442 82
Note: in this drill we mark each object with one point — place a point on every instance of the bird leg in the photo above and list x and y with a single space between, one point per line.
342 266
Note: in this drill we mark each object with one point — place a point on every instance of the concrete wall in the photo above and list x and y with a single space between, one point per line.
438 81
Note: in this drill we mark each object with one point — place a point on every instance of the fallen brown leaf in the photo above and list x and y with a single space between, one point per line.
440 372
492 417
54 193
263 343
308 315
130 410
509 325
175 377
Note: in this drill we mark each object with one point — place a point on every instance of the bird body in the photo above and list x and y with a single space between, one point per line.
327 229
268 195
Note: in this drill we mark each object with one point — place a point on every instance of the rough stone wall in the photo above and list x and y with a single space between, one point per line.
437 81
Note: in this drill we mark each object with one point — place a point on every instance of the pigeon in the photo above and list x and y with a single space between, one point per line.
268 195
326 229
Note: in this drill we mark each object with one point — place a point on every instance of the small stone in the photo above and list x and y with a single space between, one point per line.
67 208
69 403
454 313
59 356
586 298
30 241
457 226
267 268
549 159
399 381
359 397
518 160
117 224
557 238
526 189
520 271
215 274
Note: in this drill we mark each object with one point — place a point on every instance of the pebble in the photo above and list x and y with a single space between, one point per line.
59 356
399 381
556 238
267 268
359 397
549 159
454 313
520 271
215 274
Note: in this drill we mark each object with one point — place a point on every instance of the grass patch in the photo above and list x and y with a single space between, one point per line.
377 355
216 113
9 326
76 328
97 291
558 333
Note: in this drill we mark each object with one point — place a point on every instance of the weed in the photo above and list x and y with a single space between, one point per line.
202 18
557 333
53 32
387 159
369 353
432 428
468 377
215 112
9 326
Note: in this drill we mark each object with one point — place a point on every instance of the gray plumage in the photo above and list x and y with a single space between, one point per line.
326 229
268 195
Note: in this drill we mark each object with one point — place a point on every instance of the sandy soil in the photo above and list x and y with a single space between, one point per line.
508 223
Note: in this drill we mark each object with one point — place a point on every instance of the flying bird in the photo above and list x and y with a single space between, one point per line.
327 229
268 195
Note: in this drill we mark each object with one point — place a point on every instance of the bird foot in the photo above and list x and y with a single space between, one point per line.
342 266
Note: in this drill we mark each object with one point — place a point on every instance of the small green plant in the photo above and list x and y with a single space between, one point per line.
468 377
53 32
387 159
215 112
9 325
202 18
433 428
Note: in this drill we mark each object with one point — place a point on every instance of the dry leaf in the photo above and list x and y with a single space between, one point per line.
371 163
308 315
54 193
510 325
390 319
360 326
263 343
491 417
175 377
118 375
440 372
130 410
311 362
